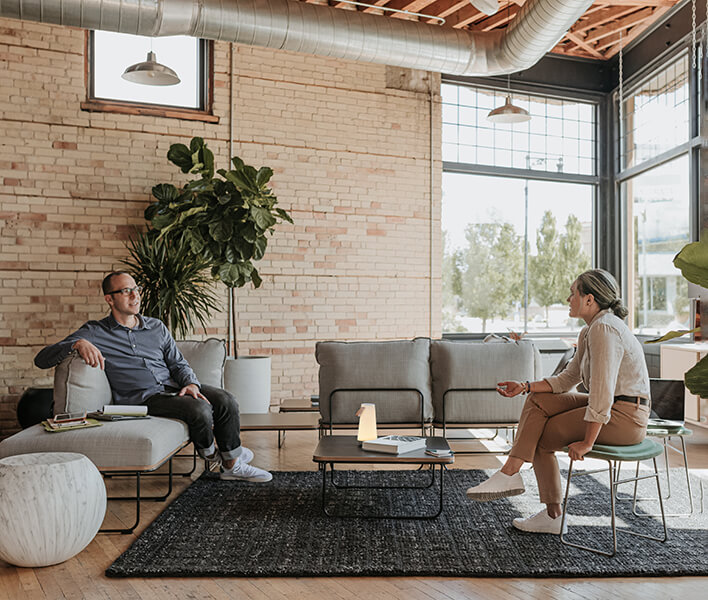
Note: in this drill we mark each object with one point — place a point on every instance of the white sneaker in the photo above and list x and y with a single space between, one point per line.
497 486
246 455
541 523
245 472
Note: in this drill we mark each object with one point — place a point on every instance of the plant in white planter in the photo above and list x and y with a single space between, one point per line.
224 219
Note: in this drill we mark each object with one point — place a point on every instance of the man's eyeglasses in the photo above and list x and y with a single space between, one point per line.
127 291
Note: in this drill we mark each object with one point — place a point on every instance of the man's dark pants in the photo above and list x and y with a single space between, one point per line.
218 418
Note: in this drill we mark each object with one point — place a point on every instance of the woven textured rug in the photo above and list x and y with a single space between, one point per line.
222 528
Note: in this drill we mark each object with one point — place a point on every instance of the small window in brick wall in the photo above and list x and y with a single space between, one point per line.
109 54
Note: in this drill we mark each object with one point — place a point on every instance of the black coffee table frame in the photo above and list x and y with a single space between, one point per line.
334 450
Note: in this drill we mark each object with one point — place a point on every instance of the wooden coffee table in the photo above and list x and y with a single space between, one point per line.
345 449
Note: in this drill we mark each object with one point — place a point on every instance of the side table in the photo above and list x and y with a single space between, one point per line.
51 506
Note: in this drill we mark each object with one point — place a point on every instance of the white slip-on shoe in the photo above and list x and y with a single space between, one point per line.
497 486
541 523
244 472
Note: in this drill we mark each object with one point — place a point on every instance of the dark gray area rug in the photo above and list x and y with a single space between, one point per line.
221 528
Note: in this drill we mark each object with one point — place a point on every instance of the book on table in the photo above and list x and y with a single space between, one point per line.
395 444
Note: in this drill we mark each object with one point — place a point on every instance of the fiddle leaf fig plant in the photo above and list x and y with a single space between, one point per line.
225 219
692 261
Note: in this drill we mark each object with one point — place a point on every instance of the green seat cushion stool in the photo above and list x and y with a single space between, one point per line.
643 451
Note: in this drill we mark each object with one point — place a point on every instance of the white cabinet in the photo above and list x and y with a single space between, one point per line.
676 359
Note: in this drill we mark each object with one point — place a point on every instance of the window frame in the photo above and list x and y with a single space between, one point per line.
690 148
206 90
533 174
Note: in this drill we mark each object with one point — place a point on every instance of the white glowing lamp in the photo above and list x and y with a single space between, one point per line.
367 423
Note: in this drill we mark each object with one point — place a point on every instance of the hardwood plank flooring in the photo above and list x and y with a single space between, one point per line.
82 576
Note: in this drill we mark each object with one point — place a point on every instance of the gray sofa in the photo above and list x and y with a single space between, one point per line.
119 447
422 381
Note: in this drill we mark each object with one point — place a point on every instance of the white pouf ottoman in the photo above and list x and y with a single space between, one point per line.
51 506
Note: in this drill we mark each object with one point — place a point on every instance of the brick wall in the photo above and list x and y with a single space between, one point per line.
351 155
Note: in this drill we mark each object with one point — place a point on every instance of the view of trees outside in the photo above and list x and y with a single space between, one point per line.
483 259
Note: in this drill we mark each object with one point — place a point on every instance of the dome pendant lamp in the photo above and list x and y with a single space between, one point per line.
151 72
508 113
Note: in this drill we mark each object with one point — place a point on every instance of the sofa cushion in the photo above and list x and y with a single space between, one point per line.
140 444
390 365
476 365
206 358
77 386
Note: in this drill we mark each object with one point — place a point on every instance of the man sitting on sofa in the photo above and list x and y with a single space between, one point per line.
144 366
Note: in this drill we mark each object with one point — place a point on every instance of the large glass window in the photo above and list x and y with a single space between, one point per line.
658 199
513 242
111 53
658 207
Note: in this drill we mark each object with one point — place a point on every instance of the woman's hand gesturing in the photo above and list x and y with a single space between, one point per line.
511 388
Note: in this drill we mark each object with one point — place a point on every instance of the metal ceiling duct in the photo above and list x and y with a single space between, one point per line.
323 30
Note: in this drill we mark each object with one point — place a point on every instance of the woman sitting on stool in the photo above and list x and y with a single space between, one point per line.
611 365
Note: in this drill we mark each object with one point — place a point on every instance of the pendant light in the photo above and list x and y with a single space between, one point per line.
508 113
488 7
151 72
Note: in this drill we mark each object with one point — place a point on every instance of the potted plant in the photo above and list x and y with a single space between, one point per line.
177 288
226 220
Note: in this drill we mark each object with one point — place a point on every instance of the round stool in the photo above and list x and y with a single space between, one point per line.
51 506
615 455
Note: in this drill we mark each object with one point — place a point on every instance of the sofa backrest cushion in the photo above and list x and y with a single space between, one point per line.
480 366
78 386
394 365
206 358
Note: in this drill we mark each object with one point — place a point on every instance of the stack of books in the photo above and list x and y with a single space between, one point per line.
121 412
68 421
395 444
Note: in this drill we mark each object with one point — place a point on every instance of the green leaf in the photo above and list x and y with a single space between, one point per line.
230 274
237 179
262 217
220 231
196 144
232 254
259 248
256 279
165 192
181 156
671 335
696 378
237 163
151 211
163 221
692 260
283 215
263 176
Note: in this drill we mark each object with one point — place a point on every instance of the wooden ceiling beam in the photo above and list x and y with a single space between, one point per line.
444 8
635 31
576 39
600 17
625 23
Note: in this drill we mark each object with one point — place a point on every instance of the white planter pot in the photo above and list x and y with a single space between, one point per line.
248 379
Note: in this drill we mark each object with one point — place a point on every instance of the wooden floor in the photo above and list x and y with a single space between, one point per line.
82 576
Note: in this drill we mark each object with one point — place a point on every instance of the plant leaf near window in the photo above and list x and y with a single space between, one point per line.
692 261
177 288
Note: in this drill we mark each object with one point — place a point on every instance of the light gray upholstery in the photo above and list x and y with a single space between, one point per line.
206 358
390 365
465 365
78 386
135 445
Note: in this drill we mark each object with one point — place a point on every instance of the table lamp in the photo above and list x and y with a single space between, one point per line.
367 422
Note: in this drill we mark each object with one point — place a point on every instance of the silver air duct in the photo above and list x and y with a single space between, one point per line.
323 30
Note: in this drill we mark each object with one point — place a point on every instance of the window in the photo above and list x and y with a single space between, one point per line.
657 196
109 55
490 283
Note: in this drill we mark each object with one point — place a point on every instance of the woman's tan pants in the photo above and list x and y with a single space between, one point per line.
549 422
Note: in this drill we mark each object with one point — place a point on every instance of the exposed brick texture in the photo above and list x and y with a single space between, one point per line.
352 165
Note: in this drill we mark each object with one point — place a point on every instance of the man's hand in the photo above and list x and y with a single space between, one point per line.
192 390
577 450
92 356
510 388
